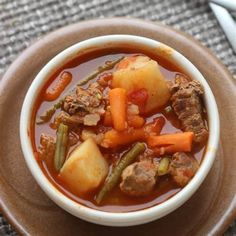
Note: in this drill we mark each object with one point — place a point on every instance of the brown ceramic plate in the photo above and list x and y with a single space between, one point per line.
31 212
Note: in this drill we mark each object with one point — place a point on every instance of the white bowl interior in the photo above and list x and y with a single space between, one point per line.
108 218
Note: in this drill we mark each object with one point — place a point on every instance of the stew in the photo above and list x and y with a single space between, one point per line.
119 130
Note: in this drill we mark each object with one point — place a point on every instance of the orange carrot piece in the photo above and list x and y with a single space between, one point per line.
54 92
135 121
107 121
171 143
112 138
117 98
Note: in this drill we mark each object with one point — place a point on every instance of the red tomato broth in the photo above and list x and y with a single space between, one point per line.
116 201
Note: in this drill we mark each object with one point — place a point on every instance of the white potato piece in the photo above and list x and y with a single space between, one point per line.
85 169
138 72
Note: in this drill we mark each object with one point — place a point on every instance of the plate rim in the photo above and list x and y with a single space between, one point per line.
231 210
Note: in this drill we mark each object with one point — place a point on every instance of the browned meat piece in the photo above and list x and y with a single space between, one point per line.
105 79
84 100
72 105
138 179
84 107
66 119
91 97
182 81
183 168
186 102
47 147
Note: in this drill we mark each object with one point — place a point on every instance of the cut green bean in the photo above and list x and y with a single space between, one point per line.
163 167
113 179
51 111
61 146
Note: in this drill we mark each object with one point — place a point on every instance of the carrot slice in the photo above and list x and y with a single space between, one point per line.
135 121
113 138
171 143
54 92
117 97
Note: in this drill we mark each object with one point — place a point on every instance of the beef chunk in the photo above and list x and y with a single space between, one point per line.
88 100
84 107
66 119
91 97
186 102
47 147
72 105
138 179
183 168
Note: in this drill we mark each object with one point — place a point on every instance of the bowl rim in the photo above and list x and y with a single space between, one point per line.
114 218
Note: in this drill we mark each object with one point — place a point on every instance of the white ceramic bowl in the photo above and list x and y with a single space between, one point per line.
129 218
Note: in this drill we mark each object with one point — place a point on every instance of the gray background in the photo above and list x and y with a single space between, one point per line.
23 21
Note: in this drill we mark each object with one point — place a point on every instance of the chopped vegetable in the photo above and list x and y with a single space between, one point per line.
163 167
54 92
113 179
135 121
141 73
117 99
91 119
139 97
132 109
61 146
113 138
51 111
171 143
85 169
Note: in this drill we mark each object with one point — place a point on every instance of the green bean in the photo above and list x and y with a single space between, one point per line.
61 146
113 179
163 166
51 111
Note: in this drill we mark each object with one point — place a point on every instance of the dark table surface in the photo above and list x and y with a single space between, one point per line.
24 21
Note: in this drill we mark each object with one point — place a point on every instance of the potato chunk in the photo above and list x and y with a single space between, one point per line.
85 169
140 72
